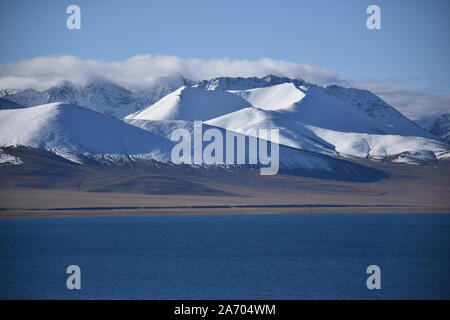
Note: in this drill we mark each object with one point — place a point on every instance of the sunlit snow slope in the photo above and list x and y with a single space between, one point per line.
350 122
191 104
65 128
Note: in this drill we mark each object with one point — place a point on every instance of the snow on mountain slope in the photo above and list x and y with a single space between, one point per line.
312 105
26 97
70 130
294 161
325 111
330 120
312 118
100 96
162 128
191 104
6 159
381 147
277 97
292 134
66 129
385 119
332 142
376 108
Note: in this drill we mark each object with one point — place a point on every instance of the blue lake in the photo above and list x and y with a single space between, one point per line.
227 257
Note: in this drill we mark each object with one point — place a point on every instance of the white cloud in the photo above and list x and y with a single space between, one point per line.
141 72
414 104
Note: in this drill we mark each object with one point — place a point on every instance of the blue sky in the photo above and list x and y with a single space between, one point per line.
411 50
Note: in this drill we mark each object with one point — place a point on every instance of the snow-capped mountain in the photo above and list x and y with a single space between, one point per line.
77 134
378 109
188 103
68 130
317 124
303 162
292 134
100 96
275 93
331 120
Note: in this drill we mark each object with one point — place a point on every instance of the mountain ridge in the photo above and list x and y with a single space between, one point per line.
331 120
101 95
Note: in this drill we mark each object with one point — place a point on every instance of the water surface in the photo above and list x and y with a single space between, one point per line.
227 256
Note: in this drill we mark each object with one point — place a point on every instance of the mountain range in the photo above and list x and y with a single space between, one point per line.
331 120
101 96
324 130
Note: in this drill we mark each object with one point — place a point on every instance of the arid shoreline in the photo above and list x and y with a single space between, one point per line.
47 186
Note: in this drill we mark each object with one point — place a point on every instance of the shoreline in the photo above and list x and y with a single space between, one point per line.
112 212
424 189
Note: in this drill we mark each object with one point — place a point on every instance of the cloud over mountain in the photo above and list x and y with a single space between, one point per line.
144 71
414 104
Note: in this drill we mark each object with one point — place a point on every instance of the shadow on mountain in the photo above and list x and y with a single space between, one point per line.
341 170
45 170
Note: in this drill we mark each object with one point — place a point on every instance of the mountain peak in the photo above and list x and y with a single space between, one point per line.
191 103
63 127
239 83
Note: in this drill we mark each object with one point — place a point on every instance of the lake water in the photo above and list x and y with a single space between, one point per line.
320 256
